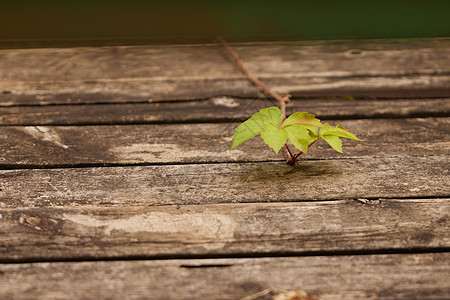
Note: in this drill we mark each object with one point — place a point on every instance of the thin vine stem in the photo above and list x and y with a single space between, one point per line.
240 63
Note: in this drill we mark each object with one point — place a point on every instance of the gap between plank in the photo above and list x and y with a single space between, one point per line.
387 116
323 97
391 251
7 167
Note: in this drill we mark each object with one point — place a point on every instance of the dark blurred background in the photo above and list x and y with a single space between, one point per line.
83 22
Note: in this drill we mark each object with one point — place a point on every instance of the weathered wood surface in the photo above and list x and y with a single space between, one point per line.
219 109
220 230
403 177
148 73
152 184
193 143
406 276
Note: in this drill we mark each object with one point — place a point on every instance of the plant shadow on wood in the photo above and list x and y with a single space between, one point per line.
323 170
281 172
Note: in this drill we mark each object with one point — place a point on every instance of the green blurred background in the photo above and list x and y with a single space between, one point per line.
137 21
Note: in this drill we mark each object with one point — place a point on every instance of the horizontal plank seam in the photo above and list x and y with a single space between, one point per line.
204 99
376 116
370 201
7 167
135 101
237 76
384 251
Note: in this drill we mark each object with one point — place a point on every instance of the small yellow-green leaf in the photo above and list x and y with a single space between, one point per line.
302 118
244 132
274 136
313 134
339 130
269 115
299 136
334 141
252 127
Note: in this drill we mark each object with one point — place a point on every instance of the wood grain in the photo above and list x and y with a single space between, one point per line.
223 230
406 276
218 109
149 73
403 177
106 177
194 143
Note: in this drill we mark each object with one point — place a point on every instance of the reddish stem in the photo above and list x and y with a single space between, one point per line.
301 152
290 158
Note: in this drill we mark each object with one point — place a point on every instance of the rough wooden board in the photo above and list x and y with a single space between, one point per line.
231 229
406 177
405 276
184 143
218 109
136 73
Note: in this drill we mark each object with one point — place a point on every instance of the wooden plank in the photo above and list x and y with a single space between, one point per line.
406 276
193 143
405 177
223 230
149 73
216 109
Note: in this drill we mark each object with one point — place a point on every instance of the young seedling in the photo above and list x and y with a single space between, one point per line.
301 129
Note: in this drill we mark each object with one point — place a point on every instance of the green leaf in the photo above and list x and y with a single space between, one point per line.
334 141
299 136
270 115
300 128
274 136
253 125
303 118
327 130
313 134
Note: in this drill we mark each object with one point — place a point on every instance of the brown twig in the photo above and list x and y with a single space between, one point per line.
281 100
240 63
